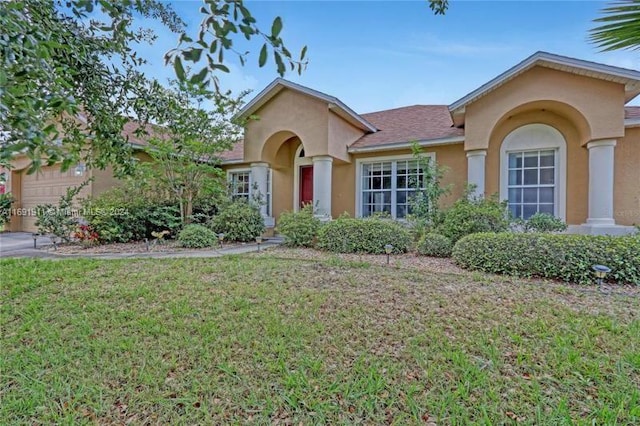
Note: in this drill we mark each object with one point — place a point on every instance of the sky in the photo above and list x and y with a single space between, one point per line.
376 55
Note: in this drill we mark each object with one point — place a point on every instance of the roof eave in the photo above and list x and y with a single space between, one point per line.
407 144
542 58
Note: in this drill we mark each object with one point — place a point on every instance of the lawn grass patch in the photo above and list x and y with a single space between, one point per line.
262 339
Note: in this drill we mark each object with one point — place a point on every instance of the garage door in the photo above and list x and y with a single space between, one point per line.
46 187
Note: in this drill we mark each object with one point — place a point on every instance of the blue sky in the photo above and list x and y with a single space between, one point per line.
376 55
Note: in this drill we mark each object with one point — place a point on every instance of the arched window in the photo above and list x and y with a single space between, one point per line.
533 171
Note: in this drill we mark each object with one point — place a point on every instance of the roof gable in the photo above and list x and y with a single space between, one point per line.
630 78
334 104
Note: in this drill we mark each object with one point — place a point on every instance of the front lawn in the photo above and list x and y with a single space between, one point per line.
269 338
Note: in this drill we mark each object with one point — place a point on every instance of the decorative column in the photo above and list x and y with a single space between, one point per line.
601 167
322 171
475 170
259 178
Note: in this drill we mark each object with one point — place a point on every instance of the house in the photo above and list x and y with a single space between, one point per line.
552 134
50 183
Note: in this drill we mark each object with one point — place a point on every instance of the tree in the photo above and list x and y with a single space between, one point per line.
69 75
620 27
186 141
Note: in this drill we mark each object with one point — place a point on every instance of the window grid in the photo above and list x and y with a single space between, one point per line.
532 183
387 186
240 185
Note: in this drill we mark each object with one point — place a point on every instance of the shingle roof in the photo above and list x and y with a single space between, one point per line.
236 153
412 123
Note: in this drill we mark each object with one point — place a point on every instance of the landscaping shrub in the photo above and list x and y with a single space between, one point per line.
197 236
119 215
60 220
239 221
299 229
468 216
369 235
544 222
434 245
6 200
556 256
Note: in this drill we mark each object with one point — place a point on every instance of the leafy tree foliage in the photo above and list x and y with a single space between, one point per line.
186 141
69 75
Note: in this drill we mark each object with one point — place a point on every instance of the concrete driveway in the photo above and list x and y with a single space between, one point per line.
20 244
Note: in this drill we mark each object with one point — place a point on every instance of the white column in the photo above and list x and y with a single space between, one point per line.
601 167
259 177
322 171
475 170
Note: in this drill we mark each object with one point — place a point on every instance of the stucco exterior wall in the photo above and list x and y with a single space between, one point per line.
626 195
341 135
288 114
566 94
577 168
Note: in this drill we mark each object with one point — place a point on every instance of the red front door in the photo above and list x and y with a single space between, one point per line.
306 185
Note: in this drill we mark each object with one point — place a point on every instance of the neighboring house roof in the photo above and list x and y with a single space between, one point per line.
413 123
335 104
632 112
630 78
235 154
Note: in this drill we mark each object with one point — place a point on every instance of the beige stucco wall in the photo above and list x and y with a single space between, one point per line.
626 195
288 114
595 107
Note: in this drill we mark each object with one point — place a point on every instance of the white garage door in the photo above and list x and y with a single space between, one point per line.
46 187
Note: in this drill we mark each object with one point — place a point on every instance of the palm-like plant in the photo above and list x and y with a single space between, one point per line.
620 27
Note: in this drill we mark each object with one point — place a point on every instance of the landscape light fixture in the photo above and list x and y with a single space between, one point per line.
600 272
79 170
388 248
35 237
259 241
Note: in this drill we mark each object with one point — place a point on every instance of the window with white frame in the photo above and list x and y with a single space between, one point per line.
532 183
387 186
533 171
241 185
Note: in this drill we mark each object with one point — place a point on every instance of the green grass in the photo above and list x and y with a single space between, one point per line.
262 340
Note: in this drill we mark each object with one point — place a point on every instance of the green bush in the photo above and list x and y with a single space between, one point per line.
119 215
556 256
197 236
60 220
299 229
239 221
434 245
544 222
468 216
369 235
6 200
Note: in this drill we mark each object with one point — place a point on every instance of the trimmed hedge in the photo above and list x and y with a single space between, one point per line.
299 229
369 235
197 236
556 256
467 217
434 245
239 221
